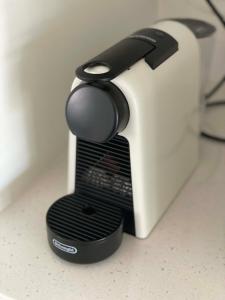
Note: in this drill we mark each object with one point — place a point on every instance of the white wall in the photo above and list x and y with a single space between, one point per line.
42 42
200 10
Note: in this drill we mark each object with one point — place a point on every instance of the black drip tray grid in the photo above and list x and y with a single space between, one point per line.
84 230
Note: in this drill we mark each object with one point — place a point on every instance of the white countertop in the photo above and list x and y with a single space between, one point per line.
183 258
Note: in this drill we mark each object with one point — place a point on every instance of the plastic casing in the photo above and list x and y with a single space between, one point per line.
163 130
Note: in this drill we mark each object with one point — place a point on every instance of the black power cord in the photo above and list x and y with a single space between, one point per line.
215 89
216 12
208 135
217 86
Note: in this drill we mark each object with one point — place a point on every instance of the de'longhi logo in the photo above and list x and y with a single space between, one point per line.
64 247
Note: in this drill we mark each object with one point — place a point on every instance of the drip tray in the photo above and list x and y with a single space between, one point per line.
84 230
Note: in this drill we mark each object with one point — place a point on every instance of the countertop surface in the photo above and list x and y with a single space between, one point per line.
183 258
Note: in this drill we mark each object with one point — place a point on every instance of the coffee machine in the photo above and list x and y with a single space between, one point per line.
133 115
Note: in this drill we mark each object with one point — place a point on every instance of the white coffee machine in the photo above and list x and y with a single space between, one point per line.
133 115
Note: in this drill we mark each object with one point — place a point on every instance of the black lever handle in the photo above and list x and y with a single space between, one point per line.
118 58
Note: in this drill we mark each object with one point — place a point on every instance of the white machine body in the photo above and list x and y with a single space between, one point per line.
163 129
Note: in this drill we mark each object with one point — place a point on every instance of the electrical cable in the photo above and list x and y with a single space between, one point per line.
217 103
216 12
208 135
215 89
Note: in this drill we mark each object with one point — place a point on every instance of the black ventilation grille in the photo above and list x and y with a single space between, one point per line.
77 217
103 172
